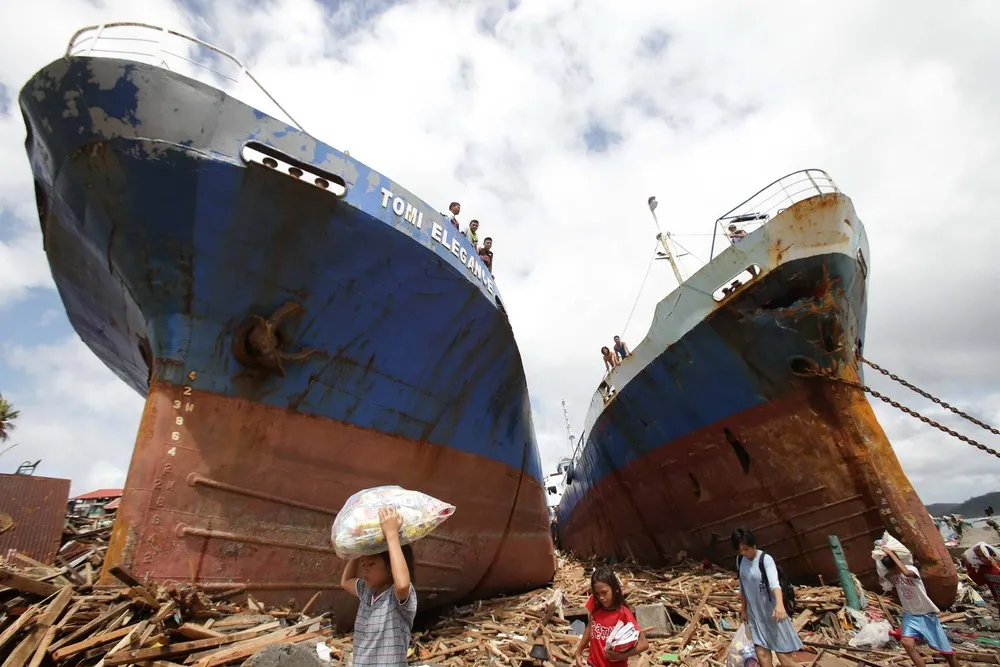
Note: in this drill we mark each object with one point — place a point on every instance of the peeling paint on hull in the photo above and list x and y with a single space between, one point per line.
711 429
163 244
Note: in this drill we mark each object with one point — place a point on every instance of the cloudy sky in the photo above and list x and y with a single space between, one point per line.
552 121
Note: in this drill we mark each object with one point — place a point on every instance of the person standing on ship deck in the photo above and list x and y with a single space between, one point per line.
621 349
470 233
454 209
486 253
609 359
736 235
764 614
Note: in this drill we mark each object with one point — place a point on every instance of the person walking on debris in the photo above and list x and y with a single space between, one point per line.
958 524
982 564
388 601
919 613
605 608
763 602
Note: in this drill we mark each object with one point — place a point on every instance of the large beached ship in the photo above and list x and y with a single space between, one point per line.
302 327
725 414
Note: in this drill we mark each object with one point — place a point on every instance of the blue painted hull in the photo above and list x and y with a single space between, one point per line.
164 242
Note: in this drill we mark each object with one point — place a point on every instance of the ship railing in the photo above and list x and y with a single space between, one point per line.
176 52
769 201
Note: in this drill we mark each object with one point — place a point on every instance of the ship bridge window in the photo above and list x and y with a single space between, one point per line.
551 490
737 281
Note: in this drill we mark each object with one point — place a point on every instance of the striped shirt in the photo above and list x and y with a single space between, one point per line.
382 627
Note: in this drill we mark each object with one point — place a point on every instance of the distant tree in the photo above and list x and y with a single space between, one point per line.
7 416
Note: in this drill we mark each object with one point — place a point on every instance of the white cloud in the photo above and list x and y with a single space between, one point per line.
471 102
37 36
76 415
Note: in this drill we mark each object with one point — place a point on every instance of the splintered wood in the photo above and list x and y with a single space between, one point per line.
55 615
702 605
52 615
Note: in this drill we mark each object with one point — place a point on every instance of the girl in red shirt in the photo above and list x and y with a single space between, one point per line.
605 608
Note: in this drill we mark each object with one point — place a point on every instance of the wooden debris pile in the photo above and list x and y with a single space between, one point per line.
701 608
56 616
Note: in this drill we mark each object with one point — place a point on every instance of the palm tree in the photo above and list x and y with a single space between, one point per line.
7 416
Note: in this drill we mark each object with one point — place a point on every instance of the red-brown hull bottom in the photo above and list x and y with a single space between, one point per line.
225 492
817 464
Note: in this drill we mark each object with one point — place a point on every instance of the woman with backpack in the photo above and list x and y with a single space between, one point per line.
763 602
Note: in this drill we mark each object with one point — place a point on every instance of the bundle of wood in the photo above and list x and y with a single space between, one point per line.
54 615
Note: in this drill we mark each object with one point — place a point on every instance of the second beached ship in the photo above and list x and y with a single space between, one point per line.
719 419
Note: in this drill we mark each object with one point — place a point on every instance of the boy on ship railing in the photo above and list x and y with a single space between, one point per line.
736 235
485 251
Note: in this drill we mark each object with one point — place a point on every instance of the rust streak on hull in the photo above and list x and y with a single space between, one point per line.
812 474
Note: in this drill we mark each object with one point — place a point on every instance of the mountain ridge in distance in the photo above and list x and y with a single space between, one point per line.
973 507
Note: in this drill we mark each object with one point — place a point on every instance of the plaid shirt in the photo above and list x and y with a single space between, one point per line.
382 627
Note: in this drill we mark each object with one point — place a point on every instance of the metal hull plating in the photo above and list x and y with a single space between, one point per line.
164 243
713 428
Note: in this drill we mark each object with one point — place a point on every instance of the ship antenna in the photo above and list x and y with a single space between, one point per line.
569 429
664 239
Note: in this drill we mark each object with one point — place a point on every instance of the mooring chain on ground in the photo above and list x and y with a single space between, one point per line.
923 393
828 375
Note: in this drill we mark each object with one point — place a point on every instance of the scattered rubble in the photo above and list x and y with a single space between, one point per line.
54 615
689 613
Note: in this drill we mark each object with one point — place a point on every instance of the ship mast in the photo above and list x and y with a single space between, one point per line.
664 239
569 429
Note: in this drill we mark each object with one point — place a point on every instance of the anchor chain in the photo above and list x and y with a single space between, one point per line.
923 393
827 374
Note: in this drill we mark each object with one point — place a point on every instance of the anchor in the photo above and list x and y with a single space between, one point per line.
258 341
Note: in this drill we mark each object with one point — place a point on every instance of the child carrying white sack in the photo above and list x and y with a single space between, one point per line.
894 564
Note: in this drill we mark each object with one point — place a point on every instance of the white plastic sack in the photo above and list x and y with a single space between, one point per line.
969 595
741 649
874 634
357 530
879 552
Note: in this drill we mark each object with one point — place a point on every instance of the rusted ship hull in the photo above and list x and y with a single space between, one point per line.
167 244
248 496
717 424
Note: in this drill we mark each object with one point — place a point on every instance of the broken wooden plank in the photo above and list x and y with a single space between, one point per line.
100 620
18 625
27 584
182 648
238 653
30 644
695 619
195 631
89 643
